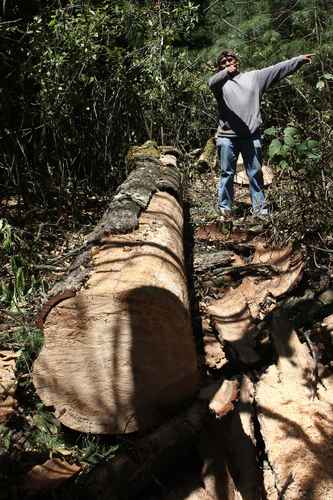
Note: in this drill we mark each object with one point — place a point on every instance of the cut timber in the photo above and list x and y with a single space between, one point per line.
119 355
234 315
207 159
7 384
295 415
148 150
121 217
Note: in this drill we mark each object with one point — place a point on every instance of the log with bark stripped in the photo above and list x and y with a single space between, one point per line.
118 353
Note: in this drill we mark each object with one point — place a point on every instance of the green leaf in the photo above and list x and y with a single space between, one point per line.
289 140
320 85
301 148
284 151
328 76
274 148
312 143
290 135
283 165
271 131
290 132
314 156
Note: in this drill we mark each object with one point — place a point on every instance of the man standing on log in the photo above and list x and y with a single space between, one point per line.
238 97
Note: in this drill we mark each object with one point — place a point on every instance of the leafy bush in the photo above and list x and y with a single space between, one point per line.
100 76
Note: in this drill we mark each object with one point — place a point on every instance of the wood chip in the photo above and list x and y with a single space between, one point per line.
228 450
215 357
328 323
224 399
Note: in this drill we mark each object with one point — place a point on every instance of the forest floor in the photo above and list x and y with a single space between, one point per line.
276 441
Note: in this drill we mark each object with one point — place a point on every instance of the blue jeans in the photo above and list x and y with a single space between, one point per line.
228 151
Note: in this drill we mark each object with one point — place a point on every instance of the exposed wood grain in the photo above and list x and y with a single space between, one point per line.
119 356
234 315
148 176
297 428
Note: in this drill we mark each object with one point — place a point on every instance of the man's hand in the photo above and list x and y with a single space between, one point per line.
308 57
232 69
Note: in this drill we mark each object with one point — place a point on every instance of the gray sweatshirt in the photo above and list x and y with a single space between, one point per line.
238 97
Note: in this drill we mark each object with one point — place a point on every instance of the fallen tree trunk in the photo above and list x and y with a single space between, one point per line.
119 354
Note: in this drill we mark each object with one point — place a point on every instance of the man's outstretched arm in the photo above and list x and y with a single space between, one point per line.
268 76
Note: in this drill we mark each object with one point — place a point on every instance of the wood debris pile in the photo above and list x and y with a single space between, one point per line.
277 441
